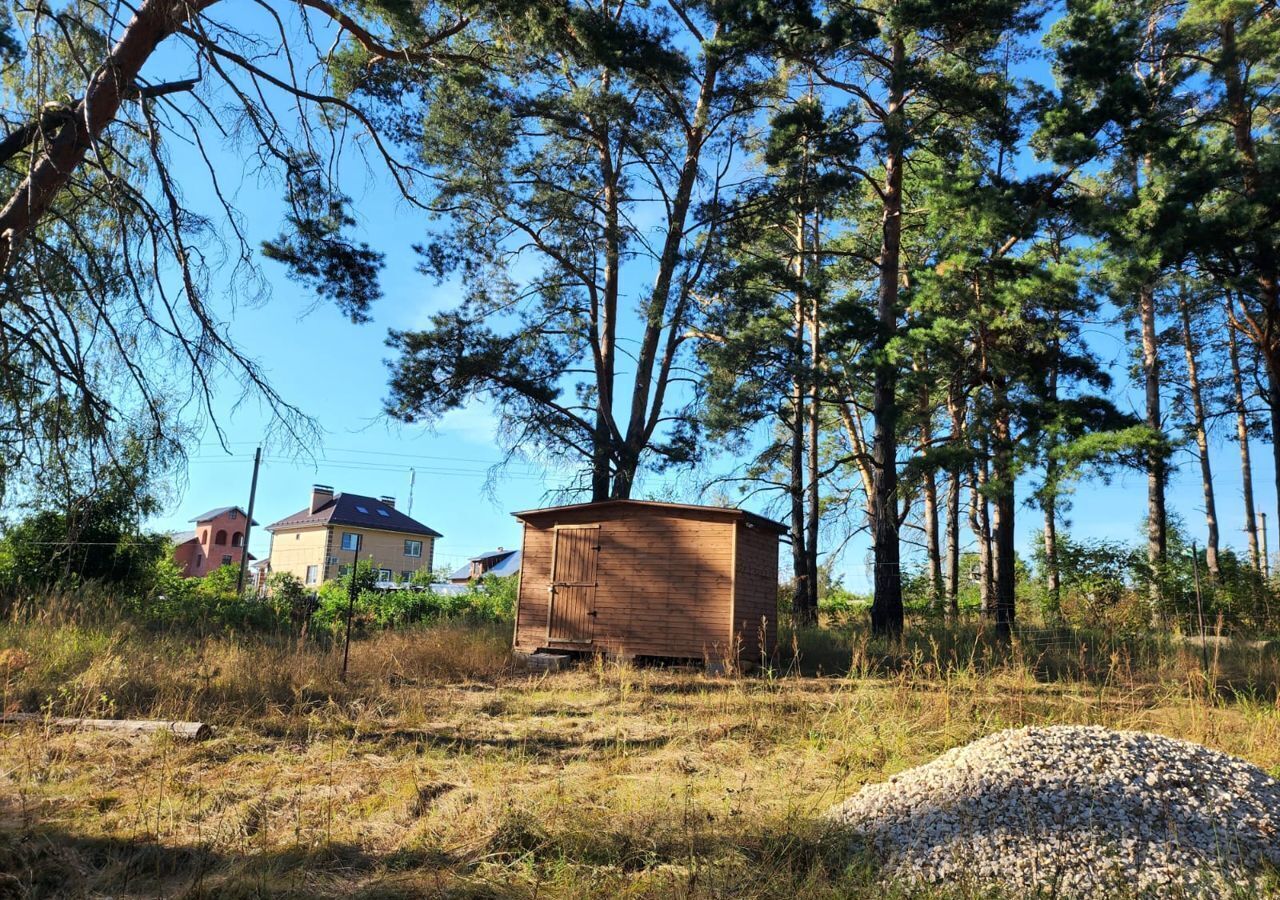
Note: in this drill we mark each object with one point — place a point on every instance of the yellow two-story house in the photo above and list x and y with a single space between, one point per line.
321 540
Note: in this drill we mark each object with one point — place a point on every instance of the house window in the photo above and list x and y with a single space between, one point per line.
231 515
313 574
350 541
384 574
384 513
406 575
226 560
220 538
237 539
413 548
199 559
361 509
343 570
204 538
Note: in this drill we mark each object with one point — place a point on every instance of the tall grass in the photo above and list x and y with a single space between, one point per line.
935 650
111 668
436 769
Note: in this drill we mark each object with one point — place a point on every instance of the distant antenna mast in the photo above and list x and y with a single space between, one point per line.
413 474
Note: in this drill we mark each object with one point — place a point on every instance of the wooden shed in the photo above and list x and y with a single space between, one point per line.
632 578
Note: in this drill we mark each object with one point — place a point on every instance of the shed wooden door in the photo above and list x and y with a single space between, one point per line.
573 583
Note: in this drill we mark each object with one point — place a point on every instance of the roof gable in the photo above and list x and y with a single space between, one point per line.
214 513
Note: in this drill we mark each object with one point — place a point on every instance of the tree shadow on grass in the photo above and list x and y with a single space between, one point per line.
48 862
779 860
540 745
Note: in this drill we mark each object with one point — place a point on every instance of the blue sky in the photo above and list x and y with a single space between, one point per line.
334 372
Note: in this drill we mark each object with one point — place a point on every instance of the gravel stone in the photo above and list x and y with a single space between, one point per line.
1076 811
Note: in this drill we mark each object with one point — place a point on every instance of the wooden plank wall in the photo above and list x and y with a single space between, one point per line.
756 586
535 578
664 577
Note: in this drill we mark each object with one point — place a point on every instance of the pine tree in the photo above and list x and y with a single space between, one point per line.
917 75
764 353
1235 169
547 161
1121 70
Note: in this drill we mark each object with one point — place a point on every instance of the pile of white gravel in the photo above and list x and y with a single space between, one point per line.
1076 811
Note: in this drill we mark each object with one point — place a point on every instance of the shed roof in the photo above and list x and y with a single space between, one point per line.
181 537
708 511
214 513
357 510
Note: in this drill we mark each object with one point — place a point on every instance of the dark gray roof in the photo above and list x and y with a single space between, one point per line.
510 564
214 513
181 537
345 509
492 554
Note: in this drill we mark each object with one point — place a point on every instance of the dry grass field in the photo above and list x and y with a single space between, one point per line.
438 771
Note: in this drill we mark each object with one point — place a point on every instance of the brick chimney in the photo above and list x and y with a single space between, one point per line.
320 495
389 502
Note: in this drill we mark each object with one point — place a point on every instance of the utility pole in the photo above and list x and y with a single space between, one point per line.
1266 561
248 526
413 476
351 602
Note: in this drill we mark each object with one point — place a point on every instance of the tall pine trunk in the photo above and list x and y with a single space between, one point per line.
1157 521
1053 578
815 423
1002 476
606 316
980 525
1242 436
1240 114
886 605
800 604
953 509
1202 444
1049 496
932 543
1273 403
648 388
933 546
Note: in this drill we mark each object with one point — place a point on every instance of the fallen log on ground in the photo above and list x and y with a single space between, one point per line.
192 731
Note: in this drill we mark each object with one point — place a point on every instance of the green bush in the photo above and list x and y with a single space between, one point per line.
209 603
491 599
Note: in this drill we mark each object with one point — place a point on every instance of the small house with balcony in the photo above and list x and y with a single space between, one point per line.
218 540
